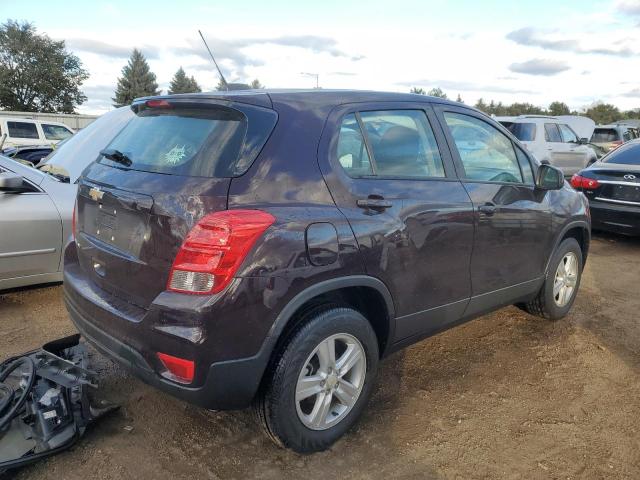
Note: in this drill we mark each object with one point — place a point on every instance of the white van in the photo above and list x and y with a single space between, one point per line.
23 131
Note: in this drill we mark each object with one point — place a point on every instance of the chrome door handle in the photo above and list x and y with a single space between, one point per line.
374 203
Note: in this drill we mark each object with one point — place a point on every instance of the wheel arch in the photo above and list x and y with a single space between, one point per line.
581 232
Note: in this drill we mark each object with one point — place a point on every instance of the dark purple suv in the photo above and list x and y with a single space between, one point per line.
268 248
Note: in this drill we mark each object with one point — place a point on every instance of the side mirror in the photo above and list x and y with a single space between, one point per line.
10 182
583 141
549 178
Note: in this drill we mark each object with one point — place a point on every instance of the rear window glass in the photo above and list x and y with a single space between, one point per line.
202 141
625 155
604 135
525 132
22 130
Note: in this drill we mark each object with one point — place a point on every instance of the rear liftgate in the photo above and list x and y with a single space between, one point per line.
44 402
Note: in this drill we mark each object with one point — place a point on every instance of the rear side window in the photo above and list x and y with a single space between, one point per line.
605 135
55 132
401 144
193 140
352 151
22 130
551 133
567 134
486 153
525 132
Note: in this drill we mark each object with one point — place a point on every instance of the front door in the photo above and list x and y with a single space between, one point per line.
512 217
411 216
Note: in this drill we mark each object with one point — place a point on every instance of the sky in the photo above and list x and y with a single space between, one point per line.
579 52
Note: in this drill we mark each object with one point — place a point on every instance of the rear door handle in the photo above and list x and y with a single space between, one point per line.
487 209
374 203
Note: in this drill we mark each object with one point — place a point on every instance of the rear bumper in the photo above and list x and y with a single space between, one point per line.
618 218
127 337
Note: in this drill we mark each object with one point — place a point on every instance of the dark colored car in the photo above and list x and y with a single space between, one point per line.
270 247
612 186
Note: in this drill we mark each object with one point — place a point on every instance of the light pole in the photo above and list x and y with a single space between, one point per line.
317 75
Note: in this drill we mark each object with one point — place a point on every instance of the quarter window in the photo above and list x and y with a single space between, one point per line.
551 133
486 153
525 166
22 130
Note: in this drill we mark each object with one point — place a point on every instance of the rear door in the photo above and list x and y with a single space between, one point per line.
512 218
412 218
578 155
174 165
559 151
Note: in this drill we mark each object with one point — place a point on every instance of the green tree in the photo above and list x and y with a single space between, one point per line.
516 109
603 113
256 85
437 92
480 105
183 84
418 90
221 87
37 74
559 108
459 99
137 81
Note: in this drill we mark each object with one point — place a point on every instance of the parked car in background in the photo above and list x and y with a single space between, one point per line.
270 247
36 205
31 154
612 186
610 137
551 140
21 131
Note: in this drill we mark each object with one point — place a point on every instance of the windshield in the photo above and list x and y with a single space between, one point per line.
525 132
73 155
628 154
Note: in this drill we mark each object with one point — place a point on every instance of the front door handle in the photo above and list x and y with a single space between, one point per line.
374 203
487 209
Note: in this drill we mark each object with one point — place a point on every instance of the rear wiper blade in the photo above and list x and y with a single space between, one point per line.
116 156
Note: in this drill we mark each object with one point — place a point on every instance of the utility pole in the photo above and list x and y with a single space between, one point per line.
316 75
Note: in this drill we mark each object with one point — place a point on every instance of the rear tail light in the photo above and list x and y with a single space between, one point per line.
157 104
214 249
178 369
578 181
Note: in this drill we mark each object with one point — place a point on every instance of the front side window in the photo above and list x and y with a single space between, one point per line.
22 130
551 133
55 132
486 153
567 134
352 151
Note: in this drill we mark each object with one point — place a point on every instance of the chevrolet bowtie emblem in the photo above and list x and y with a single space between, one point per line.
96 194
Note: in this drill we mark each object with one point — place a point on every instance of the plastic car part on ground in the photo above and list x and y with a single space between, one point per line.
44 402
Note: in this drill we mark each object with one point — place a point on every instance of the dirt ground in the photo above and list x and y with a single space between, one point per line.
505 396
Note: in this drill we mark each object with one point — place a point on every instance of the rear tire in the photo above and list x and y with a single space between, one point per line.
293 416
561 284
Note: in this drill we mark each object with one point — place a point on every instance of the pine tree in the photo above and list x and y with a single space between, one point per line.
183 84
137 81
256 85
459 99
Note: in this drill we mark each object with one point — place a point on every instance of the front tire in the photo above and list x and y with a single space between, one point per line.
561 284
321 381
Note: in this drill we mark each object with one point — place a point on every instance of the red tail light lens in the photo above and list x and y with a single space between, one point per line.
214 249
157 104
178 369
578 181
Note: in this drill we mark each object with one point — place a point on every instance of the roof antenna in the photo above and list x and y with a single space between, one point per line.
224 81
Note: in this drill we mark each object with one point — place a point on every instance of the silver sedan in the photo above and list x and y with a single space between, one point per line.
36 205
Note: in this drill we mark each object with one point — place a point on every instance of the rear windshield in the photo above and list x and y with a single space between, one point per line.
604 135
525 132
625 155
201 141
